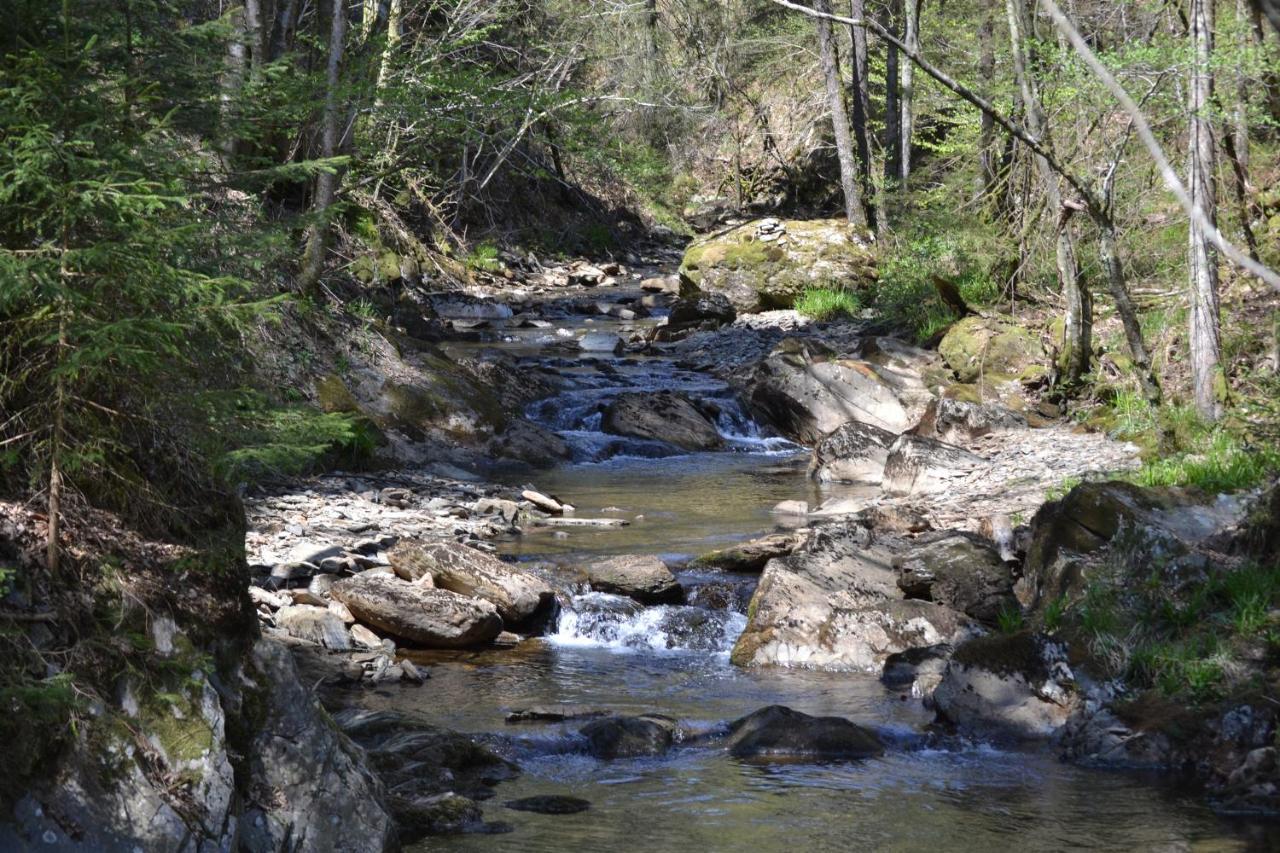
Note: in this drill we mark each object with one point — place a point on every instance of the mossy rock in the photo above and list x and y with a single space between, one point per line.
759 275
333 395
993 349
443 398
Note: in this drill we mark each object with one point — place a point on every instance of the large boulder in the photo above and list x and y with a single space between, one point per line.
434 618
1167 526
836 605
777 732
991 350
663 415
804 390
530 443
642 577
958 421
630 737
764 264
854 453
925 466
1017 687
702 311
314 624
518 595
959 570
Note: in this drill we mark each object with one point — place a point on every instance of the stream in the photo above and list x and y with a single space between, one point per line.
611 653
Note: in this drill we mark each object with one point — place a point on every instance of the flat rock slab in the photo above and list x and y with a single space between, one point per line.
518 595
640 576
553 713
433 618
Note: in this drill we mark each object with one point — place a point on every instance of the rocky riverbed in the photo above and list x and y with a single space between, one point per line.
882 528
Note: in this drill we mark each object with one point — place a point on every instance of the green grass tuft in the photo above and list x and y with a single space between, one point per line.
823 303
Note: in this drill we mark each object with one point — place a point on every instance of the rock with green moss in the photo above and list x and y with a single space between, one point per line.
993 350
767 264
1015 687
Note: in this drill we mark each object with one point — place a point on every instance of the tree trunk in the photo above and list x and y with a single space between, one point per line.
1074 347
282 35
861 107
1208 382
839 118
892 116
912 40
1236 143
1119 290
987 130
326 181
231 86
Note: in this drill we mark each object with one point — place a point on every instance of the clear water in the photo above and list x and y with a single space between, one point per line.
926 793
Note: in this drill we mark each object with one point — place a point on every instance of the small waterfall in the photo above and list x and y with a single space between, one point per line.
619 623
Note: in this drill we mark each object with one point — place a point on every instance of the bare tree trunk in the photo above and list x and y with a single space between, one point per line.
1208 382
892 115
912 40
861 107
1236 143
839 118
327 180
232 84
1119 290
987 130
1078 323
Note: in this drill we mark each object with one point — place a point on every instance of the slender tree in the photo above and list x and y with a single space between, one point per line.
906 95
327 181
1207 381
1078 321
839 118
861 101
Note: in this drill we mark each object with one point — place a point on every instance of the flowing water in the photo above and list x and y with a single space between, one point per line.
607 652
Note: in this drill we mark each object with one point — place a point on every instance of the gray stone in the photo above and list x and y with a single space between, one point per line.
643 577
664 416
433 618
777 732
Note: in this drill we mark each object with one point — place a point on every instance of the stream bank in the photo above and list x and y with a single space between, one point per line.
634 494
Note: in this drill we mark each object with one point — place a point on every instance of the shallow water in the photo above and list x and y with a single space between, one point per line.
927 793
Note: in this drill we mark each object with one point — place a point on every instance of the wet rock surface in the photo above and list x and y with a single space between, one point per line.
432 618
779 733
642 577
629 737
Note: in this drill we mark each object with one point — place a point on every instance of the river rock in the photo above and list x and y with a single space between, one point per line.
703 311
439 814
642 577
836 605
1017 686
553 713
925 466
630 737
959 421
315 625
918 670
530 443
805 391
755 274
433 618
854 453
600 342
752 555
550 804
546 503
518 596
777 732
992 350
662 415
961 571
334 801
1162 525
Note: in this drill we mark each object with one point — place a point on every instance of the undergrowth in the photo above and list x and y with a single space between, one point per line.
906 295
